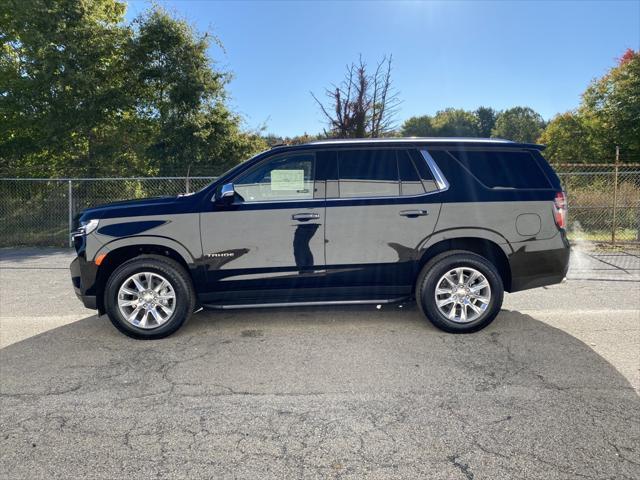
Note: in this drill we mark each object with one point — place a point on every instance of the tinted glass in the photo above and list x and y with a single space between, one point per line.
282 178
410 183
326 165
420 163
503 169
327 174
546 168
368 173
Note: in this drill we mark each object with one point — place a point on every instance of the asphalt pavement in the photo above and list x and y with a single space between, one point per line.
549 390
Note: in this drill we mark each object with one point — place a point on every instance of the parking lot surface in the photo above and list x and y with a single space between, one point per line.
549 390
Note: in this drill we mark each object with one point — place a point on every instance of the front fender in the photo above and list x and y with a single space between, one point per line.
180 249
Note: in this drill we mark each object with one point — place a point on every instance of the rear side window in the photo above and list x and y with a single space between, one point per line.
410 183
368 173
551 174
426 176
503 169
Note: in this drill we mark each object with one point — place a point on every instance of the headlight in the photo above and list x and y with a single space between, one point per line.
86 228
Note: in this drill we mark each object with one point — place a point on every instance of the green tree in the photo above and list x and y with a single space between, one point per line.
609 115
450 122
486 118
611 107
177 93
272 139
84 94
421 126
62 77
520 124
453 122
569 139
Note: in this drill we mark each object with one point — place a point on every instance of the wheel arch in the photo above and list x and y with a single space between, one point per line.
119 252
485 247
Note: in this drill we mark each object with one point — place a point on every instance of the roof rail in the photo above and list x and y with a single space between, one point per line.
412 139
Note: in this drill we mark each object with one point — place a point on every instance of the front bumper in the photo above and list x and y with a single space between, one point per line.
83 277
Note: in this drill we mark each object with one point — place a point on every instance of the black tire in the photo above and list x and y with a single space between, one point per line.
441 264
173 272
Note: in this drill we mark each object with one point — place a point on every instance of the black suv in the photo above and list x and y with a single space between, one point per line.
452 223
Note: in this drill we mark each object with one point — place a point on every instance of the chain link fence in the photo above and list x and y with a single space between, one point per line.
604 203
39 212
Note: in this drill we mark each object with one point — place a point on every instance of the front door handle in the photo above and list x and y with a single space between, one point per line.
303 217
413 213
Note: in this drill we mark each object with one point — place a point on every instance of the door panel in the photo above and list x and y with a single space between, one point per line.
374 241
247 249
376 244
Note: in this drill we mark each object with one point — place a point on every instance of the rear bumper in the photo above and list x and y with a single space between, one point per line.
539 262
83 276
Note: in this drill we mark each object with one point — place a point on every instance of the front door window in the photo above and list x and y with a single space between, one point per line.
283 178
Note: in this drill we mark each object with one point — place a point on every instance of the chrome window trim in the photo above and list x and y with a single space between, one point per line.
441 182
266 202
346 199
438 176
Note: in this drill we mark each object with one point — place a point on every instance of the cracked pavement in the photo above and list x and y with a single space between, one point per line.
549 390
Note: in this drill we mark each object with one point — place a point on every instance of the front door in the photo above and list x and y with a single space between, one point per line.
379 212
267 245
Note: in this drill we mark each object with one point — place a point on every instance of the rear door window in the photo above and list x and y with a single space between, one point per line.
368 173
426 176
410 182
503 169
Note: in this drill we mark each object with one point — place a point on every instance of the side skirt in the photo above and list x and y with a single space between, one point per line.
304 304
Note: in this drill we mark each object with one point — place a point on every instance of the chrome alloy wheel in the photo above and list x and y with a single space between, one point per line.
462 294
146 300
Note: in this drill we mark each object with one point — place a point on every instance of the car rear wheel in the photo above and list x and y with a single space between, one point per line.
149 297
459 291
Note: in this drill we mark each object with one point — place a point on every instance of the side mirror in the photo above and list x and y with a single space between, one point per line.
227 192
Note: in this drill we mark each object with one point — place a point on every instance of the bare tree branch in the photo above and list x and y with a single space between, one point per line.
363 104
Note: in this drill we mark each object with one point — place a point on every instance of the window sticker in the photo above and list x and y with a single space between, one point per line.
287 180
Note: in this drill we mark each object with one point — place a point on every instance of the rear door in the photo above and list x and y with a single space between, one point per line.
381 205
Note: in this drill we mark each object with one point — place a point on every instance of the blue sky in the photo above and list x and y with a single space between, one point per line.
446 54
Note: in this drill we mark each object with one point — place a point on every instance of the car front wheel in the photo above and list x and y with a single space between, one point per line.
149 297
459 292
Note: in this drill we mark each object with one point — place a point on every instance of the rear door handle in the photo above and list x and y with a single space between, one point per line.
413 213
303 217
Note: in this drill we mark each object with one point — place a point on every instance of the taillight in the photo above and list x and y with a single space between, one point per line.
560 209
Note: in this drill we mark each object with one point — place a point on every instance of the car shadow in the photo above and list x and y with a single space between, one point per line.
276 392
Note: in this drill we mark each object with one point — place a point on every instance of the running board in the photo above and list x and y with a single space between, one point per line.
305 304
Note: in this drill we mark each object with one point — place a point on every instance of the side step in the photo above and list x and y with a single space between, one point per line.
304 304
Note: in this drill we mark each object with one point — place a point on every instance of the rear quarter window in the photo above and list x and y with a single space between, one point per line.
503 169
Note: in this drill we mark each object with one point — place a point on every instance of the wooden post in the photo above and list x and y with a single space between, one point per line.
615 197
